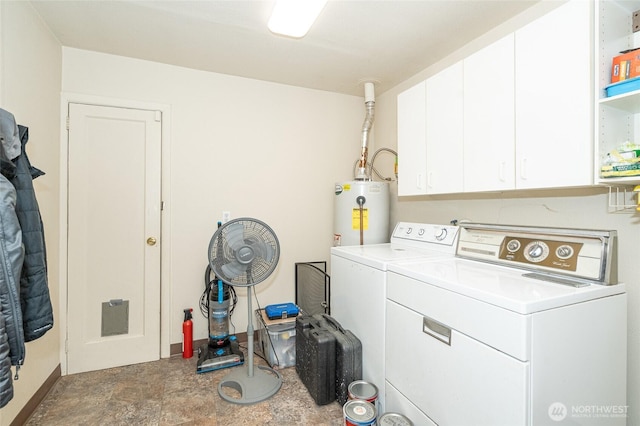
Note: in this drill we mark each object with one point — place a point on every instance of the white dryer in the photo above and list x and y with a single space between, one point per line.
359 281
523 326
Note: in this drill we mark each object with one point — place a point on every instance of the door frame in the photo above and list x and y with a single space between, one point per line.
165 220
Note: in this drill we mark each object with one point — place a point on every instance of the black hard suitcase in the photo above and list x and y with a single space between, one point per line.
315 359
348 356
328 358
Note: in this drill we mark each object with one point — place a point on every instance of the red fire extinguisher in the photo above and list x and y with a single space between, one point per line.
187 331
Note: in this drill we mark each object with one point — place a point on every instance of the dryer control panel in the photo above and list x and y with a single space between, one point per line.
572 253
554 254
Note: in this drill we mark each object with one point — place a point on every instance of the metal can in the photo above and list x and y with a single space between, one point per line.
394 419
359 413
364 391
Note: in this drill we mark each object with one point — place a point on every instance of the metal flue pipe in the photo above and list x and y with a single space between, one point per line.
369 103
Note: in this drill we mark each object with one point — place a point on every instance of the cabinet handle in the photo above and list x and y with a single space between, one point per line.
430 179
502 167
419 181
523 168
436 330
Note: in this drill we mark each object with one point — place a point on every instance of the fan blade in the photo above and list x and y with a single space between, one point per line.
235 235
233 269
263 250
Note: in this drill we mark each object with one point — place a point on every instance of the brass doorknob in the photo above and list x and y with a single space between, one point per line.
151 241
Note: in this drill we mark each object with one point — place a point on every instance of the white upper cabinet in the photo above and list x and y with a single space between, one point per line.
554 99
518 114
412 147
445 112
430 135
489 148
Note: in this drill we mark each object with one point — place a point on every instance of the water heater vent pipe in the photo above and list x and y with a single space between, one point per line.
369 103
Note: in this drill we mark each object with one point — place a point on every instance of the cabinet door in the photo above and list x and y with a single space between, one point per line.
554 99
412 148
445 130
489 135
462 382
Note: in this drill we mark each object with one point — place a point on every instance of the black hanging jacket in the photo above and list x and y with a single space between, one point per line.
37 312
12 347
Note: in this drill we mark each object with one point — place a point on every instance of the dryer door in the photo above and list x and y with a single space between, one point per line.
451 377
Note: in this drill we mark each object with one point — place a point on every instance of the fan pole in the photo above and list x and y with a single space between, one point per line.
250 333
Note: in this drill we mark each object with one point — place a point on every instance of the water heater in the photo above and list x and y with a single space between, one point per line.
361 213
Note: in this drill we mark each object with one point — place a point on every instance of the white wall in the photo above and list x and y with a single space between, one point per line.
572 208
258 149
30 60
253 148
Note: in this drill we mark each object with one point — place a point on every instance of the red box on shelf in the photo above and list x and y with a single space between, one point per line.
626 66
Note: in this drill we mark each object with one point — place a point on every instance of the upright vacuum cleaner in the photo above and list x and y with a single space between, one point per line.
221 350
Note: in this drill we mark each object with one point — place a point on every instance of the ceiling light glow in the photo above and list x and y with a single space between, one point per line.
293 18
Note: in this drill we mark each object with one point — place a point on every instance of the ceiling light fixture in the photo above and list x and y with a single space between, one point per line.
293 18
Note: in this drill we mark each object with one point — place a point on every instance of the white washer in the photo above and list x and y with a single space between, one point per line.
358 286
524 326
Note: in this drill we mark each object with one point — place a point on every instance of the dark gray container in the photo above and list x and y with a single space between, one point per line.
328 358
348 356
315 359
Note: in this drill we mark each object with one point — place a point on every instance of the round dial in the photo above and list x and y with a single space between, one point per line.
564 252
513 245
536 251
421 232
441 234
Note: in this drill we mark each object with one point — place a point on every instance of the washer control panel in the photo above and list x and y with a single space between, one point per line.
417 233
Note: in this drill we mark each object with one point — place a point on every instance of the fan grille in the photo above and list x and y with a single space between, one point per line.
244 252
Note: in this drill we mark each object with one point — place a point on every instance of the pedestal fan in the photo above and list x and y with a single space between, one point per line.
244 252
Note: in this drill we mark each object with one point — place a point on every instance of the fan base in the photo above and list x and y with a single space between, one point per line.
264 383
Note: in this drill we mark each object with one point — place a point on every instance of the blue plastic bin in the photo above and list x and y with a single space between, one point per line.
623 87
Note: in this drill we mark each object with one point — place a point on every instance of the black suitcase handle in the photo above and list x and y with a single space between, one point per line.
335 324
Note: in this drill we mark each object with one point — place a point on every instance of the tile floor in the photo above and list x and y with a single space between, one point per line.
169 392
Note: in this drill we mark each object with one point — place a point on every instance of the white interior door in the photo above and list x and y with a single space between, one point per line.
114 171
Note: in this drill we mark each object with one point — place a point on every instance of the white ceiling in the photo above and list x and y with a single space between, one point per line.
352 41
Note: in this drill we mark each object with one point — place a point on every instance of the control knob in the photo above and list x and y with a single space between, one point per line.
564 252
513 245
441 234
536 251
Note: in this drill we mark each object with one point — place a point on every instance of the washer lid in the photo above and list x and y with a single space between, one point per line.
410 240
379 256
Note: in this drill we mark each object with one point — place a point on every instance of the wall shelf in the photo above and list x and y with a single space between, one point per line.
620 181
629 102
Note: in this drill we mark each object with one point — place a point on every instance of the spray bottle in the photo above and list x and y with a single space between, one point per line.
187 331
